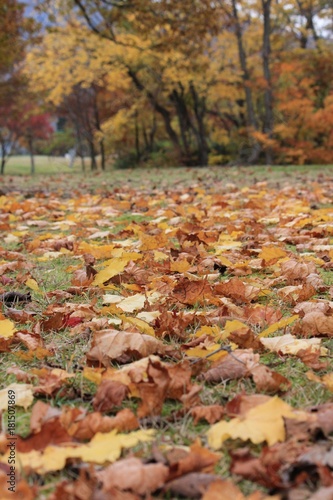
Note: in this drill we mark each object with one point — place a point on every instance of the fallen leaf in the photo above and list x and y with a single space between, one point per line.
262 423
131 474
109 394
102 448
112 344
7 328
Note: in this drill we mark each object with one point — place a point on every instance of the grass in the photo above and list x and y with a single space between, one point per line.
68 352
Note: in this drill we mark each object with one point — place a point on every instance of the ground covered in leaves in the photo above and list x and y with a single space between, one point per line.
167 340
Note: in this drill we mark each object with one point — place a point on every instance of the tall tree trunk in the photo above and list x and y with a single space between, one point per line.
137 137
93 164
31 152
3 158
183 119
165 114
268 96
200 132
250 113
98 127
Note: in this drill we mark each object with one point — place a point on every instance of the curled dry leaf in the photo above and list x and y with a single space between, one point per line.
198 459
113 344
295 270
153 389
109 394
192 292
191 485
84 426
237 290
131 474
211 413
231 492
289 344
314 323
269 381
242 403
232 367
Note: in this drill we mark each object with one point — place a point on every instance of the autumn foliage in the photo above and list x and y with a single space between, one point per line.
191 82
156 365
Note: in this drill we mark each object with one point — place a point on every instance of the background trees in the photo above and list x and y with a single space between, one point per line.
191 82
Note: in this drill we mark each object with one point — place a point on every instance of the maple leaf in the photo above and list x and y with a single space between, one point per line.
262 423
113 344
102 448
131 474
7 328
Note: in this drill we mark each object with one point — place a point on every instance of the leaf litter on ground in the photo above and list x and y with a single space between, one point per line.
154 335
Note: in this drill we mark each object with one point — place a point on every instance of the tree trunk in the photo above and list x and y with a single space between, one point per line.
183 118
93 164
160 109
3 158
137 137
98 127
268 96
31 152
199 107
251 117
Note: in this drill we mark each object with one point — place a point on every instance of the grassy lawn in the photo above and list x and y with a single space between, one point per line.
51 222
55 171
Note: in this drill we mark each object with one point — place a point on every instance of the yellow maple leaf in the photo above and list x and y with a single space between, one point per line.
32 284
262 423
104 447
272 253
139 323
7 328
115 267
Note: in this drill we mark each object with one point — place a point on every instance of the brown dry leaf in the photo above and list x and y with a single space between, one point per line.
52 433
269 468
131 474
260 315
211 413
242 403
113 344
21 489
293 294
192 485
192 292
232 367
41 413
50 381
315 323
198 459
245 339
84 426
268 381
294 270
153 389
109 394
237 290
324 306
226 490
